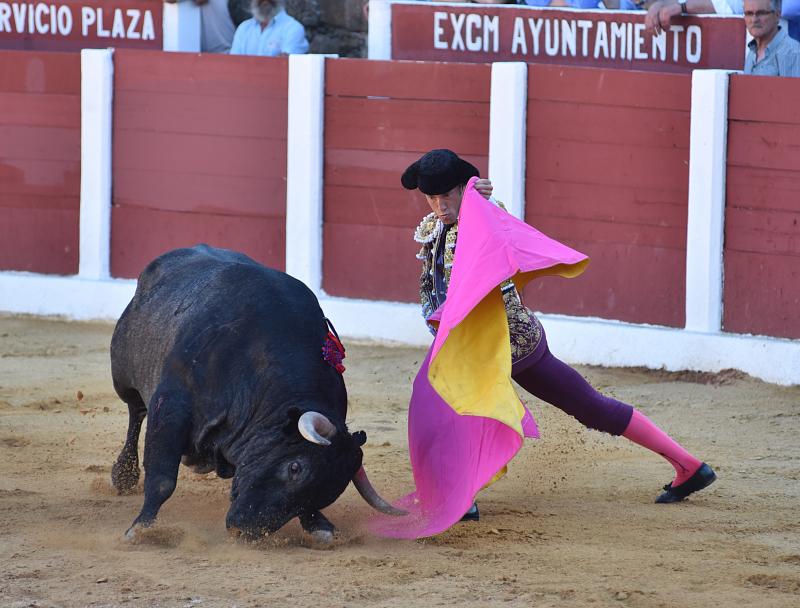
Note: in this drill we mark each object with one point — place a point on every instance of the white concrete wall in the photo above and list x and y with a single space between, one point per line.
97 98
379 30
304 169
705 223
181 27
701 346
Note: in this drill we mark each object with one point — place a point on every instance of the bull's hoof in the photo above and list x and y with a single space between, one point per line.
133 533
155 535
322 537
125 475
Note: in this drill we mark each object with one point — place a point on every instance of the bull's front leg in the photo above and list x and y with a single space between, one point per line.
318 526
168 428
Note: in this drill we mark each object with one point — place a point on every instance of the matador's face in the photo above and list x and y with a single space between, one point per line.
446 206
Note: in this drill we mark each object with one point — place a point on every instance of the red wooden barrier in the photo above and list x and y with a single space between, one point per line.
607 173
762 216
199 156
379 118
39 161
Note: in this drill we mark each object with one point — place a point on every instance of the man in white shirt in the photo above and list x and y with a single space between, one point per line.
271 32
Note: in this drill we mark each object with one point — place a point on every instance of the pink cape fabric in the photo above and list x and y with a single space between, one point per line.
454 456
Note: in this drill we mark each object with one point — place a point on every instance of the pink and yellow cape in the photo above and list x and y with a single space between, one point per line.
465 420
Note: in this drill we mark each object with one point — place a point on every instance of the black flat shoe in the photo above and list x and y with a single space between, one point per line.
703 477
472 514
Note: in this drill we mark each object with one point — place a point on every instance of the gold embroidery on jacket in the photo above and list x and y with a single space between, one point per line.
524 327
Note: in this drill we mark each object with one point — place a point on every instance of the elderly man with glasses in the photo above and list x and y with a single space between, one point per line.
771 52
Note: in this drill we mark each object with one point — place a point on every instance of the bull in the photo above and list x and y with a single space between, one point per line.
224 358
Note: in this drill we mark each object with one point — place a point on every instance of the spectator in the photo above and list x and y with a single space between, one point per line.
216 25
270 32
771 52
660 13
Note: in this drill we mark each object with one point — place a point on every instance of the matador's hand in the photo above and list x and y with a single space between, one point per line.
484 188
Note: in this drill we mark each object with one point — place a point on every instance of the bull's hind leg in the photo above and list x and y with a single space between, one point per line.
168 428
125 472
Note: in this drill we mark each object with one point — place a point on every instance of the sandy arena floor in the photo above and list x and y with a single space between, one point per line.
573 524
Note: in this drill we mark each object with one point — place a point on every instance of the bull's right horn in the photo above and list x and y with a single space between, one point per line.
316 428
368 493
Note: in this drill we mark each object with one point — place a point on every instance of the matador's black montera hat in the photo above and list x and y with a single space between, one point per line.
437 172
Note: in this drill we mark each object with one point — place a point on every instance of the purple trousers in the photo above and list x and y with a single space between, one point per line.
555 382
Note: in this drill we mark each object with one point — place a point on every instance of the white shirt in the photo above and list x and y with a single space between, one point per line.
283 36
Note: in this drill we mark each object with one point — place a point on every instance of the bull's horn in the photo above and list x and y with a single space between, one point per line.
316 428
368 493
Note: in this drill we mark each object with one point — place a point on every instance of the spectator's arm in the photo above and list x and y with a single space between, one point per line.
295 43
660 14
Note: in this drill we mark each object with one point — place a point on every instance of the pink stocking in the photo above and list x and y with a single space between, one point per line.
643 431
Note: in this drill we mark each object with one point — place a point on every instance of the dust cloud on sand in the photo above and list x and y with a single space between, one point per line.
573 523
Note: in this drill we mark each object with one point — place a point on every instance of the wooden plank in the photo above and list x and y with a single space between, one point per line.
212 74
38 110
139 235
632 283
575 121
39 240
610 232
606 164
372 262
374 206
757 188
652 206
376 168
408 79
628 89
10 200
392 124
199 154
759 144
763 231
34 177
762 294
764 99
40 72
39 143
168 190
261 117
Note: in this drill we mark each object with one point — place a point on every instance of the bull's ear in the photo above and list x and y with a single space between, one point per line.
293 415
360 437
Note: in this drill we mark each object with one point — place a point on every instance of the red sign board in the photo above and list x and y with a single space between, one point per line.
438 32
68 25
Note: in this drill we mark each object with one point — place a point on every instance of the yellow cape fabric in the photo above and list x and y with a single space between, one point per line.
472 371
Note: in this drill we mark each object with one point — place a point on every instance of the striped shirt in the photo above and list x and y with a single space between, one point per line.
781 57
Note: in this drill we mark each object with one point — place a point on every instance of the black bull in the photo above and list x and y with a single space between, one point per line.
224 357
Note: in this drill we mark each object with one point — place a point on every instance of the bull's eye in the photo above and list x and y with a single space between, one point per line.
294 469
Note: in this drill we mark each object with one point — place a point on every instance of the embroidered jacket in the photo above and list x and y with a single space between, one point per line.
437 253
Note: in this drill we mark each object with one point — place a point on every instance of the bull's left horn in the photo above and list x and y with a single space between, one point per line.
368 493
316 428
